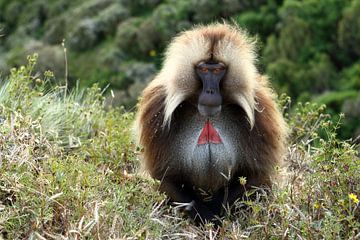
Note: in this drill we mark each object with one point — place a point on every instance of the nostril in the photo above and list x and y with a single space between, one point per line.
210 91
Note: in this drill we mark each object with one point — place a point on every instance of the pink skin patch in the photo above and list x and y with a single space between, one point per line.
209 135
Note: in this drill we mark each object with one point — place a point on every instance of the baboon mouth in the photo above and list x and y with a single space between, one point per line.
209 135
209 111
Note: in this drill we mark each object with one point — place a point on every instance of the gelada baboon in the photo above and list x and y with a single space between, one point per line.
209 118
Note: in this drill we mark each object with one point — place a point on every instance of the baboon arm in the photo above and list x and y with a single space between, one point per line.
196 209
176 193
225 197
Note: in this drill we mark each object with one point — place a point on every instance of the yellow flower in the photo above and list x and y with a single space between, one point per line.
316 205
152 53
354 198
242 180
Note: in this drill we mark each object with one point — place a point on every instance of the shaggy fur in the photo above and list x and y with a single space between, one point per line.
250 124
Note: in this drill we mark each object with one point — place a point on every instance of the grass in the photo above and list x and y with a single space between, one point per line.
70 170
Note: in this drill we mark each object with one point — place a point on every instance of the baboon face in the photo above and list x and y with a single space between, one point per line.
210 74
213 65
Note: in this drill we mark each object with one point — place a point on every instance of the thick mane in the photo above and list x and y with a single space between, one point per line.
148 124
219 42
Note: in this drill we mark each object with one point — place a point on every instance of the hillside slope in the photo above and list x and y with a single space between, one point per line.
69 169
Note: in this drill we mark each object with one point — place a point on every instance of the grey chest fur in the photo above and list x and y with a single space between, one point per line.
207 166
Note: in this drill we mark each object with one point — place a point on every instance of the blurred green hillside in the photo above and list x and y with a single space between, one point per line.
310 49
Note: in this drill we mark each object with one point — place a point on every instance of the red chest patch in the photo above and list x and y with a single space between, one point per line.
209 135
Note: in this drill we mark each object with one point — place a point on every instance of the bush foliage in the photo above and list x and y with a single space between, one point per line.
69 169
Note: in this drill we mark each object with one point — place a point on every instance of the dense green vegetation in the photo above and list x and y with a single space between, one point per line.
310 49
69 169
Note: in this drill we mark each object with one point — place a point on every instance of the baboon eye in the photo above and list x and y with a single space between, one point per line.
204 69
216 70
